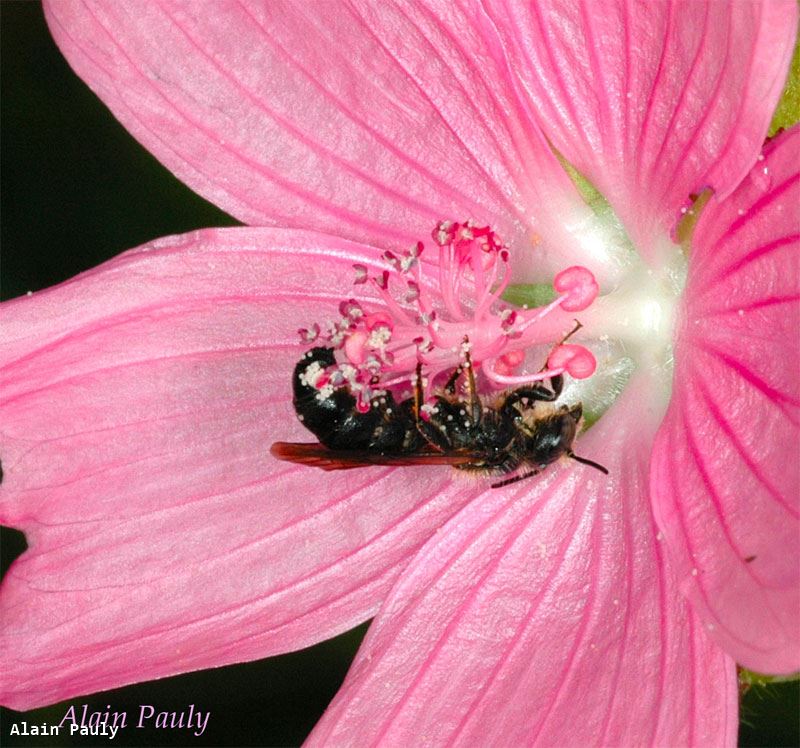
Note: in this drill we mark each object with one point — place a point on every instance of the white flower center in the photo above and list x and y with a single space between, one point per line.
633 324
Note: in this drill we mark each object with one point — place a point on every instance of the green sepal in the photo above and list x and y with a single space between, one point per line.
530 295
751 678
590 194
788 111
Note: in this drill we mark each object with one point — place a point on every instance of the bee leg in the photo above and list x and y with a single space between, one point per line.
515 479
557 383
475 407
474 401
533 392
418 395
450 386
434 435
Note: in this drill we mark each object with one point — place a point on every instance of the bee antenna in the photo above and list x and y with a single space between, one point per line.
583 460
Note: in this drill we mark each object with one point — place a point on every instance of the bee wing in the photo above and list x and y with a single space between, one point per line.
317 455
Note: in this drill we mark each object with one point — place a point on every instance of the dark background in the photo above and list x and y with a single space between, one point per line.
77 190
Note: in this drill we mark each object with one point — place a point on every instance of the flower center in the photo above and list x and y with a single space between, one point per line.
434 314
631 327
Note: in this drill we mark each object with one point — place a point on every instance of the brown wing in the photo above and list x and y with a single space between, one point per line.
317 455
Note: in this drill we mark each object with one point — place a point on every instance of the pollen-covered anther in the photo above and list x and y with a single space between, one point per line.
509 318
382 280
392 259
444 233
427 318
309 335
379 336
362 274
424 345
351 309
407 263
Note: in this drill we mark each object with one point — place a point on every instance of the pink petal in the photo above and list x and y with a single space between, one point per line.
652 101
726 474
139 402
368 120
543 614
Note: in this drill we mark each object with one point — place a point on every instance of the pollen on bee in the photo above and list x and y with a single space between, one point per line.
311 376
325 392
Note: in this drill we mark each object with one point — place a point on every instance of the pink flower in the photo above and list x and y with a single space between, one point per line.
139 400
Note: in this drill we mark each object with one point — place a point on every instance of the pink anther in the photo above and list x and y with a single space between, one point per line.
309 335
576 360
351 309
579 287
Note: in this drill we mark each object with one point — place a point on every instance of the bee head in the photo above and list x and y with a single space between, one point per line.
552 437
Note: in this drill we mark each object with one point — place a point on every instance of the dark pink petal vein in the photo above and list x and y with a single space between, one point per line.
652 101
368 120
726 469
545 615
139 402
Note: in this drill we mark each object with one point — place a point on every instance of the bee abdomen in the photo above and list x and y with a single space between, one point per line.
330 413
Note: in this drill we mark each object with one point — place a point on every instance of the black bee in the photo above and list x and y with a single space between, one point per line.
508 436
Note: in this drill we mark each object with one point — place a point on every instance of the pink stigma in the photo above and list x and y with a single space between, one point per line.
433 313
579 286
575 360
